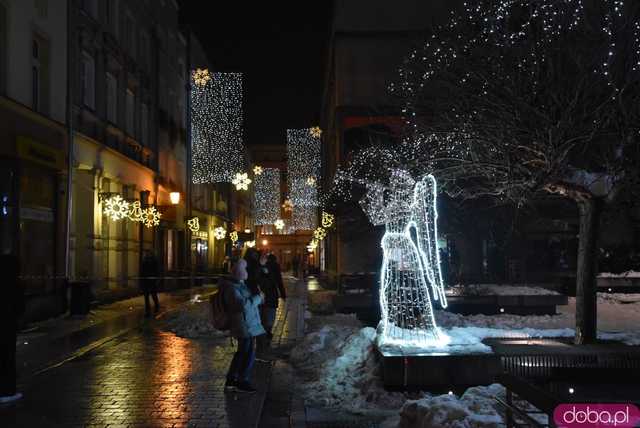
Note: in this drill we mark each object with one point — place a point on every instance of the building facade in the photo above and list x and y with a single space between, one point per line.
33 146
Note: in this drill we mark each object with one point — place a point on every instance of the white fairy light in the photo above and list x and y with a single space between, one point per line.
151 217
219 232
267 196
217 122
194 224
279 224
410 276
303 152
116 208
241 181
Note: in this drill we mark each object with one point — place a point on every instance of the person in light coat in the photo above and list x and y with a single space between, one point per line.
242 306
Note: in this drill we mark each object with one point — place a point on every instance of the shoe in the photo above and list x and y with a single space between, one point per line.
230 385
246 387
10 398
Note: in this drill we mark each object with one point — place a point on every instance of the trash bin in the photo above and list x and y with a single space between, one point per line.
80 297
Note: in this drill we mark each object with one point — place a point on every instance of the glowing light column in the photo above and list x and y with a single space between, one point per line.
303 151
267 196
217 140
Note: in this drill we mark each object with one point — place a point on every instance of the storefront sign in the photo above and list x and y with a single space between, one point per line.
37 214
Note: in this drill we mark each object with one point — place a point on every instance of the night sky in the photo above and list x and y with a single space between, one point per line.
280 48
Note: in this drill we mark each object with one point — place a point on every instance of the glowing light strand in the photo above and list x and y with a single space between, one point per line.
303 151
267 196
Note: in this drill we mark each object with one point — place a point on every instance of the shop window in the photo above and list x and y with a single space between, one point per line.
88 81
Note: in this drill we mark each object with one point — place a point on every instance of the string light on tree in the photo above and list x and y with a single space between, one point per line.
257 170
116 208
279 224
327 219
135 211
241 181
216 127
219 232
151 216
194 224
267 196
201 76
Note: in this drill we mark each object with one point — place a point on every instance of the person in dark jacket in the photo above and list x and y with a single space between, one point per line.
273 290
245 326
11 309
149 284
252 257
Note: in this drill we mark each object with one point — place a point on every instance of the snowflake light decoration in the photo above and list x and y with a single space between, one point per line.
319 234
219 232
311 181
315 132
287 206
194 224
201 76
257 170
116 208
279 224
217 129
267 196
151 217
233 236
250 244
313 244
241 181
327 219
135 211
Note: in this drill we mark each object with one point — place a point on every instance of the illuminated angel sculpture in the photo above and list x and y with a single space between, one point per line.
411 278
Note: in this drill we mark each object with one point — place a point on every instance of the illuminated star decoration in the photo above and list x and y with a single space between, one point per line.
250 244
267 196
116 208
241 181
233 236
312 245
194 224
327 219
135 211
279 224
319 234
151 217
257 170
219 232
287 206
216 127
315 132
303 152
201 76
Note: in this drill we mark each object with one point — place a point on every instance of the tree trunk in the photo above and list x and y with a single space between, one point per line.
586 303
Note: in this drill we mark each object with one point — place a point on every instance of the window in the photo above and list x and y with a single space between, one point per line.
90 7
88 81
112 98
130 112
144 124
130 35
42 8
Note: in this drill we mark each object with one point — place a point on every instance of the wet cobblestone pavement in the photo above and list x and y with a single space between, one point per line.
149 377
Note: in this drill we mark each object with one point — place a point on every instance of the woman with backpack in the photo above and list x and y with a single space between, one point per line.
244 319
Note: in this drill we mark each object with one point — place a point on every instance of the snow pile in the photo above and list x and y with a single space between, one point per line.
193 321
447 319
618 298
498 290
339 368
476 408
627 274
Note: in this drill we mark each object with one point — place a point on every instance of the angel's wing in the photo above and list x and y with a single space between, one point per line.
372 203
425 218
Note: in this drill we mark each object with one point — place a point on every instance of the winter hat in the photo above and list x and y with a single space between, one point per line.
239 270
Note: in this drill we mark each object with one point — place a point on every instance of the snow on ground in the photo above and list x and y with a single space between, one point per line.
498 290
193 321
627 274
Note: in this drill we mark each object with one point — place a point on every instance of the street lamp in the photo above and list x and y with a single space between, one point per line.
265 242
175 198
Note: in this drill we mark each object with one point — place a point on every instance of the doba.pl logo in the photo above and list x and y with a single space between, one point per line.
596 415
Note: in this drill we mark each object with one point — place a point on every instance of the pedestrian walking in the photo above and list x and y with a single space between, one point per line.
11 310
252 257
273 291
245 326
149 283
